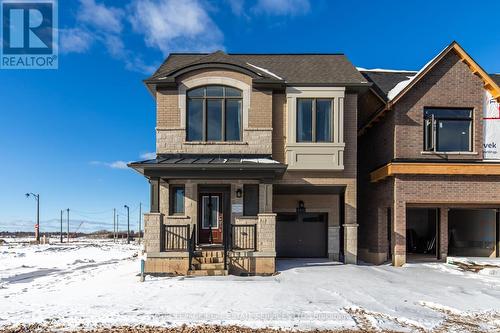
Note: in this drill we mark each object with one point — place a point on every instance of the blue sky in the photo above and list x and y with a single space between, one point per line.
67 133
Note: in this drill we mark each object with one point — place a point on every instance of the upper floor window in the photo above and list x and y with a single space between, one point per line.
447 130
314 120
214 114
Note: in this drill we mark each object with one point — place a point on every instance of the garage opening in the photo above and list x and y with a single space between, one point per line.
421 234
472 232
302 235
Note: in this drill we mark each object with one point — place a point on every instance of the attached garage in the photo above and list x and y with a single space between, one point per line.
302 235
472 232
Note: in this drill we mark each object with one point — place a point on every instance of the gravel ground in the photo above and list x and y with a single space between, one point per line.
38 328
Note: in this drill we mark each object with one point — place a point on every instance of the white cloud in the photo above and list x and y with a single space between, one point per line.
165 25
118 165
170 24
148 156
237 6
282 7
113 165
75 40
105 19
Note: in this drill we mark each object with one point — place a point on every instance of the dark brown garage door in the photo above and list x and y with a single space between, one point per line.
301 236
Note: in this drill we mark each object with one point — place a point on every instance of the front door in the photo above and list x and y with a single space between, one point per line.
211 218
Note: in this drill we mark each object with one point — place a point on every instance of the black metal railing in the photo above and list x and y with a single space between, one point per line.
244 237
192 246
177 237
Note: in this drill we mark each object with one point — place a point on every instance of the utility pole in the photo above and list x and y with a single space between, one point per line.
140 216
61 233
37 225
117 225
128 223
114 225
67 210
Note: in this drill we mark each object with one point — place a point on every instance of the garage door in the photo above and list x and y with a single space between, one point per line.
301 236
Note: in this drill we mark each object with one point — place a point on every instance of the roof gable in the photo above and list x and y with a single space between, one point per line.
489 84
399 89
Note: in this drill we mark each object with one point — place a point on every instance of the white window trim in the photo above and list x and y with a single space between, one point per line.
335 93
219 80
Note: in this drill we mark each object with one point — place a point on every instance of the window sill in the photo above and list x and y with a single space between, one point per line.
177 217
211 143
316 144
449 153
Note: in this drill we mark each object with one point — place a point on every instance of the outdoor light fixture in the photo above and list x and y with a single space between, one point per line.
301 208
239 193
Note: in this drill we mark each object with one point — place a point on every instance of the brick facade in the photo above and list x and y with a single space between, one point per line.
399 135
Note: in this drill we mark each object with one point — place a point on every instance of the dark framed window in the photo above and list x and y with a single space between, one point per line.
177 198
251 200
214 113
314 120
447 130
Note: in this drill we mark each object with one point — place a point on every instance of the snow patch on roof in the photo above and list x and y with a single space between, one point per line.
399 87
362 69
402 85
259 160
265 71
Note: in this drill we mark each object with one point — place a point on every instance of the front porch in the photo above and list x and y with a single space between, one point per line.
218 216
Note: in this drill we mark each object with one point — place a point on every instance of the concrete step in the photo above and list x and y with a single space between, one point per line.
209 253
209 266
208 260
207 272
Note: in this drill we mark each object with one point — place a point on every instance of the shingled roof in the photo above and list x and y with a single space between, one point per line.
308 69
385 80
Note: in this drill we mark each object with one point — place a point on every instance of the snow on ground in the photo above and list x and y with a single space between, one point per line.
97 283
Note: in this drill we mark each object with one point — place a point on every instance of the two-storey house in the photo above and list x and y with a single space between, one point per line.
256 159
429 161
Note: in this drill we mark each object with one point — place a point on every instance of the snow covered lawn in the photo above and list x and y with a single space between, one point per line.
96 283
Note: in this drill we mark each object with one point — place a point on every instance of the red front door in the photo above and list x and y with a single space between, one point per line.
211 218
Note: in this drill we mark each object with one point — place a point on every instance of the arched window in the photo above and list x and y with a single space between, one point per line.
214 113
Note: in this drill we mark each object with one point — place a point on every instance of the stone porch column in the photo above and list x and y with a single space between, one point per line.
350 225
266 233
398 238
153 232
443 237
265 198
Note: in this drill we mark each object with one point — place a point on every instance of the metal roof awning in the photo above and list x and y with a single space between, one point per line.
189 166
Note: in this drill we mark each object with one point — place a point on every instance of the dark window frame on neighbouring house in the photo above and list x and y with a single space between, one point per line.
176 207
214 113
250 199
448 129
318 126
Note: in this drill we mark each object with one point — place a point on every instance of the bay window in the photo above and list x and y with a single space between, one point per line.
314 120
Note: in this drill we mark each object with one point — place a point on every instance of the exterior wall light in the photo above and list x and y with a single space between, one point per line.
239 193
301 209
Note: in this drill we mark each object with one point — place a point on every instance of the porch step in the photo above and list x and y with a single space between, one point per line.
202 267
209 253
208 260
207 272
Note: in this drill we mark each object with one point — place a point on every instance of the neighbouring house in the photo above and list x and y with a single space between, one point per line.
429 162
256 159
